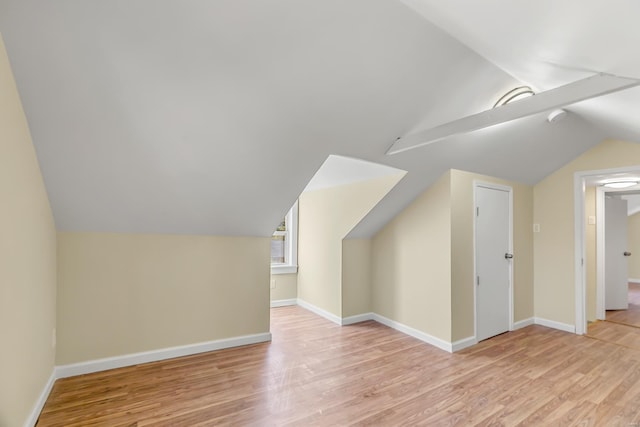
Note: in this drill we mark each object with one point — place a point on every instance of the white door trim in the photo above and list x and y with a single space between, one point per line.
600 230
579 179
509 190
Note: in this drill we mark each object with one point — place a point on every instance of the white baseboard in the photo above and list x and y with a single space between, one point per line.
320 311
523 323
42 399
555 325
422 336
631 280
155 355
283 302
463 343
357 318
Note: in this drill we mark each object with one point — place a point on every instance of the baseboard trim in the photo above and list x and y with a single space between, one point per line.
555 325
463 343
42 399
283 302
422 336
357 319
523 323
319 311
155 355
632 280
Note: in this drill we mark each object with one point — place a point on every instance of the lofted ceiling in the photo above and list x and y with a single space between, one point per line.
211 117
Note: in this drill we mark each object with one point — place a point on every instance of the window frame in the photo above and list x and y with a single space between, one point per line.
290 265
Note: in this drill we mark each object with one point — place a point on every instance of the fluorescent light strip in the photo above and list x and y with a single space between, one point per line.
591 87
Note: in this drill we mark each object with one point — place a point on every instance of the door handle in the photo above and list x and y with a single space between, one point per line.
627 254
509 256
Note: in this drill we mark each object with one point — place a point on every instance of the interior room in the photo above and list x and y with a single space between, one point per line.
376 212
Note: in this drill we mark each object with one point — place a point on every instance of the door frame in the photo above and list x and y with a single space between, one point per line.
509 190
580 250
600 253
601 194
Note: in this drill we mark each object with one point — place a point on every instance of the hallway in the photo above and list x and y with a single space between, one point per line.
621 327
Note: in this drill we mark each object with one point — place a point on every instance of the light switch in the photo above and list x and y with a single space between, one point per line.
592 220
536 228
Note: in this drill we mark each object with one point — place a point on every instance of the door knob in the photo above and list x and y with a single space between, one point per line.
627 254
509 256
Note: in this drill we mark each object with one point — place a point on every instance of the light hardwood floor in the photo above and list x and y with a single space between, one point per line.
631 316
622 327
318 373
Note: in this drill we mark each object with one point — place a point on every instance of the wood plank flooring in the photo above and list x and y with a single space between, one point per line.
622 327
631 316
316 373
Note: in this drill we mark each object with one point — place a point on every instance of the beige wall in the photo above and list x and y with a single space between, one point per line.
325 218
356 277
411 264
554 280
286 286
634 245
126 293
423 260
462 255
27 262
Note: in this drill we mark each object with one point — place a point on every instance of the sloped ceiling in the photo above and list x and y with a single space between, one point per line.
211 117
339 170
549 43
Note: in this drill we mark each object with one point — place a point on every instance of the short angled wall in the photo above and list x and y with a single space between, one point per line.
523 323
555 325
42 399
91 366
422 336
283 302
319 311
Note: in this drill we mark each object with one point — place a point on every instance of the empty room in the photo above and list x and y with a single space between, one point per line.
319 213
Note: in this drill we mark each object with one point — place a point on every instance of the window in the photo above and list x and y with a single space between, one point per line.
284 244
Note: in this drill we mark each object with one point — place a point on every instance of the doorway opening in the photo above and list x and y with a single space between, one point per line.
583 180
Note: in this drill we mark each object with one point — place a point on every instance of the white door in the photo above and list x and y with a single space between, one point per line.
615 261
493 261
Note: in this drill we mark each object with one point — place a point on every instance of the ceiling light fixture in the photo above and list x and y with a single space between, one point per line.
591 87
620 184
513 95
556 115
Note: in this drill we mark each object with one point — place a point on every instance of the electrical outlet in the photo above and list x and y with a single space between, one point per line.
536 228
592 220
53 338
273 283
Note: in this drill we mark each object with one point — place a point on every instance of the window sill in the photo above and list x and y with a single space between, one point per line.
284 269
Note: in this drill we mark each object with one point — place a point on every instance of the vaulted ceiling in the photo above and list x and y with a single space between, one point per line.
210 117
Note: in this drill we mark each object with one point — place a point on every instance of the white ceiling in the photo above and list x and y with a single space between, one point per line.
633 203
212 117
340 170
548 43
